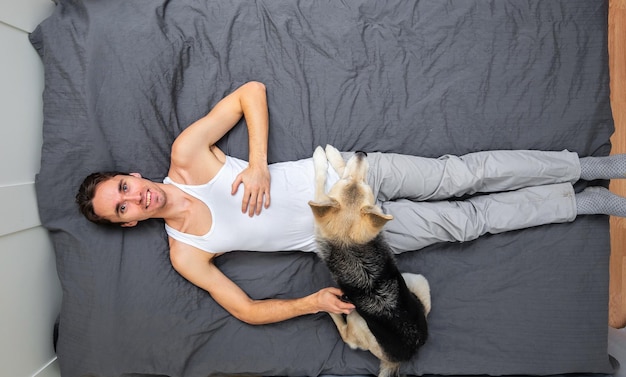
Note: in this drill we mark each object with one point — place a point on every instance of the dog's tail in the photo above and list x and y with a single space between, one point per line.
389 369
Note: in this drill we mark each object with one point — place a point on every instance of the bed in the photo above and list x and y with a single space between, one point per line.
124 78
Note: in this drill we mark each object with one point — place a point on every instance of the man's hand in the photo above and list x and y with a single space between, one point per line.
328 300
256 184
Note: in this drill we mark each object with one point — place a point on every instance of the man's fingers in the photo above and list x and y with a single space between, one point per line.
336 305
267 199
259 203
238 180
252 204
335 291
245 202
256 193
344 307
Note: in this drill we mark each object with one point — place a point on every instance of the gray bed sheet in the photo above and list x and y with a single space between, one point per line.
124 78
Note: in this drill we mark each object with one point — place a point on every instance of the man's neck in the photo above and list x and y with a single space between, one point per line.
178 207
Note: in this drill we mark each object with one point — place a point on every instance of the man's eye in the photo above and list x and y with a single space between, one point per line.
123 208
125 187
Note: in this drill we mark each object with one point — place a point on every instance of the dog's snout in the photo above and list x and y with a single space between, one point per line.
364 154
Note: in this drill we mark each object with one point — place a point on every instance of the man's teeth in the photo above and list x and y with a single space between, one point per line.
148 198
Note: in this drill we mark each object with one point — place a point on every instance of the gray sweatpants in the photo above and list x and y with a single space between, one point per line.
524 189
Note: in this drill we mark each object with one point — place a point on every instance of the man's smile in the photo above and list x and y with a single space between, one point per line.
148 198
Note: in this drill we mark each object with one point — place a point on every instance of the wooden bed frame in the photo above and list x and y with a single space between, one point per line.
617 67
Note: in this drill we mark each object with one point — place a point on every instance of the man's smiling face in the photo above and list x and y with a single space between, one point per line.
128 199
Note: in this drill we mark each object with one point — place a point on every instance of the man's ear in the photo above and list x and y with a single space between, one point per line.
129 224
136 175
323 209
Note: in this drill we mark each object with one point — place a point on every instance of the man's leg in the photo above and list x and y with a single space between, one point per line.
419 224
395 176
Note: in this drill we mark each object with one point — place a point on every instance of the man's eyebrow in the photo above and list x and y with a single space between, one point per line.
119 189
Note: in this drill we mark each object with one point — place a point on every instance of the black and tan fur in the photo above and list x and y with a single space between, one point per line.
391 308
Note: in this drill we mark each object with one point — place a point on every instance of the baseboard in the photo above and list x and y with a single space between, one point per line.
51 369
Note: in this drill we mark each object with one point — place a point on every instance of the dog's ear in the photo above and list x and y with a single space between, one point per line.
325 208
375 216
336 159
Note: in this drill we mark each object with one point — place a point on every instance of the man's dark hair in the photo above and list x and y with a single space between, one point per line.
86 192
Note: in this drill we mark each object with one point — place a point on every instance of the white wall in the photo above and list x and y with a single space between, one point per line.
30 292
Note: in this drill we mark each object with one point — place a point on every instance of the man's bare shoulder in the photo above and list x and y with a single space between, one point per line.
196 169
183 256
196 266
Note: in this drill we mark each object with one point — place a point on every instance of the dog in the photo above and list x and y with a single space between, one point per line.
391 308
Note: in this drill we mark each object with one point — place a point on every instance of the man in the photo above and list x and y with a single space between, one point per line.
206 213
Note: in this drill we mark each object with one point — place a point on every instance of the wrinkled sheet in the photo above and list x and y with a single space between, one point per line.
124 78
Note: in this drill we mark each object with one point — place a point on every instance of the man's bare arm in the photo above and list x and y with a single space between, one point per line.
195 159
256 178
200 270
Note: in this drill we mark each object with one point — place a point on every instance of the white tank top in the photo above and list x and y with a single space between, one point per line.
286 225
